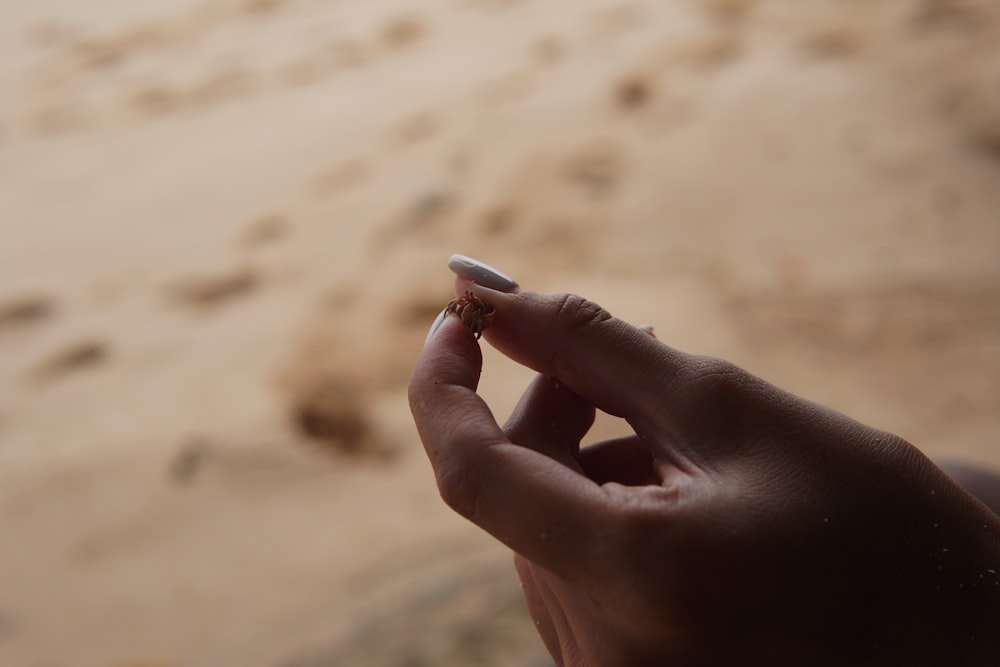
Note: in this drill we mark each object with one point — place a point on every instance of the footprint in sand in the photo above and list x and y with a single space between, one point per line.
597 168
428 209
967 14
76 357
616 21
711 50
49 34
348 53
304 71
155 100
342 176
505 88
265 230
101 53
548 50
633 92
222 86
422 220
25 310
414 128
416 309
727 12
980 118
329 411
499 220
490 4
832 42
213 291
188 461
219 87
261 6
58 120
402 31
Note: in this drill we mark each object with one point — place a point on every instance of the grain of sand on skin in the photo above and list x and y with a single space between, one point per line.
807 190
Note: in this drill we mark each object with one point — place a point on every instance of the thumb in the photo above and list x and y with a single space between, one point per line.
611 364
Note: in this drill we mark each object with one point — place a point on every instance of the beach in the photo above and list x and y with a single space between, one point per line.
224 229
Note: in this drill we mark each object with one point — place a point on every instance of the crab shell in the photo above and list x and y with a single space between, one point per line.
473 311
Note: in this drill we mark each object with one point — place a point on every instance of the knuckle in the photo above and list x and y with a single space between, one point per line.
456 488
720 382
575 312
639 517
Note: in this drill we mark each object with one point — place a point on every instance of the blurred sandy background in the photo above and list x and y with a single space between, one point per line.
223 233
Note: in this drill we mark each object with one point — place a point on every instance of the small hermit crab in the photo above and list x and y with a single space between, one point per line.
473 311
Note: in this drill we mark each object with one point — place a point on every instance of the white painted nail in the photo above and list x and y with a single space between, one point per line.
481 273
435 326
648 328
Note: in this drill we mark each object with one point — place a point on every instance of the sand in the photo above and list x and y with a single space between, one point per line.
223 233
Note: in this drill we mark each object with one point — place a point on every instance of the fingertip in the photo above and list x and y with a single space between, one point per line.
435 325
536 505
481 272
451 353
608 362
463 285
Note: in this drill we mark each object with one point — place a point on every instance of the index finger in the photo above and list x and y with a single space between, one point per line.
615 366
538 507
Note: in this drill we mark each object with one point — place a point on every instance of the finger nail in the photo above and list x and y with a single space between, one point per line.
481 273
648 328
435 326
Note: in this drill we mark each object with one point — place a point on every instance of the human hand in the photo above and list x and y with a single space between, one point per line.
739 525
